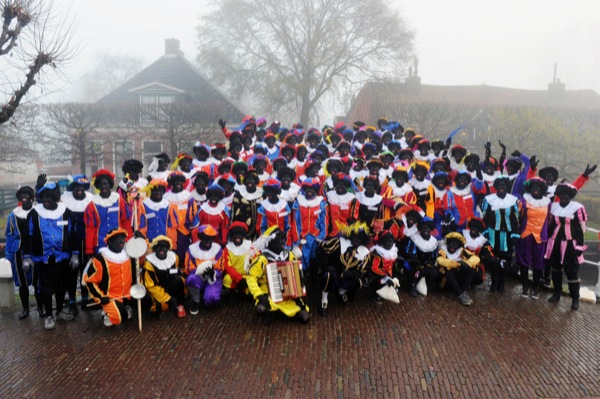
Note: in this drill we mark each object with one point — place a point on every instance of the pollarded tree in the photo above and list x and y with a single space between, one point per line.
289 54
34 36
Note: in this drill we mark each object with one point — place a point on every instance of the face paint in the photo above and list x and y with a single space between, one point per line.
116 243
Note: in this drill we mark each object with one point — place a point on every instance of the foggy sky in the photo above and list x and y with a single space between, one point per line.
510 43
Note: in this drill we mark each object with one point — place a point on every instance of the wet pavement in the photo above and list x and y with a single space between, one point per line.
503 346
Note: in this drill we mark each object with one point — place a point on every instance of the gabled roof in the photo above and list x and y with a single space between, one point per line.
172 72
375 98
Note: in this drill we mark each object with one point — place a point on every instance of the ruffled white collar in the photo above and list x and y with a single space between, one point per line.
419 185
162 264
156 206
566 212
51 214
387 254
490 178
250 196
303 202
501 203
461 193
473 243
213 210
75 205
201 254
199 198
178 198
336 199
368 201
21 213
439 193
536 203
106 202
423 244
400 191
457 255
277 207
409 231
114 257
239 250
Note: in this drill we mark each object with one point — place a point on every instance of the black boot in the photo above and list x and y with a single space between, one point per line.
535 286
557 282
574 291
525 281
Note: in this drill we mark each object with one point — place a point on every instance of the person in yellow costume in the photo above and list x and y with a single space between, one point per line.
162 277
458 265
270 247
233 263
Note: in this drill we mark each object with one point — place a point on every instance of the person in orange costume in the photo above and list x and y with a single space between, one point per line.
109 278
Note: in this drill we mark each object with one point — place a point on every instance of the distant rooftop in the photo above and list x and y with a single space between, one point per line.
173 72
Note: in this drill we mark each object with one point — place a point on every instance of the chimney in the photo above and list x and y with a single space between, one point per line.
413 82
556 89
172 47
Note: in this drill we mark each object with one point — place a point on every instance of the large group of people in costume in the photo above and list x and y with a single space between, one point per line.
378 208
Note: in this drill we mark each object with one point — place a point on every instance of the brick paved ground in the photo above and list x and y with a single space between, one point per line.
502 346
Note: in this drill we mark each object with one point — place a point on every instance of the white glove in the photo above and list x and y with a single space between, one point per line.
74 263
27 265
203 267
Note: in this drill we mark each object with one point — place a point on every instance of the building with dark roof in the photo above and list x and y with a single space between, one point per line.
437 110
166 107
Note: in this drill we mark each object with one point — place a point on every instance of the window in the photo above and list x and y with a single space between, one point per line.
95 156
154 107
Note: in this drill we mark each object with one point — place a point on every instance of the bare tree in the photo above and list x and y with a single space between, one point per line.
109 73
289 54
18 140
69 130
33 36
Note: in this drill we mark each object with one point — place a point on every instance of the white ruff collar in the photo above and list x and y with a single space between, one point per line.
387 254
216 210
409 231
51 214
114 257
400 191
425 245
21 213
250 196
501 203
566 212
303 202
461 193
335 199
551 190
457 255
239 250
358 175
199 198
156 206
536 203
106 202
163 264
490 178
368 201
278 207
439 193
201 254
283 256
178 198
74 204
419 185
455 165
473 243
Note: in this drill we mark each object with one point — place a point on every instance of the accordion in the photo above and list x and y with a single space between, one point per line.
285 281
